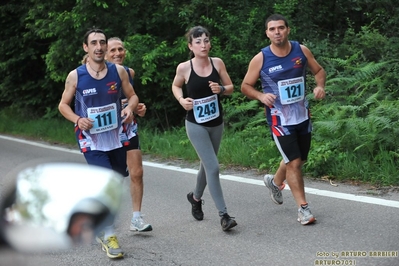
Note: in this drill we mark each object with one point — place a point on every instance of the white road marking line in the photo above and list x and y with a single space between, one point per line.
314 191
318 192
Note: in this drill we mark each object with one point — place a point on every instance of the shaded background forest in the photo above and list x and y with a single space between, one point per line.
355 41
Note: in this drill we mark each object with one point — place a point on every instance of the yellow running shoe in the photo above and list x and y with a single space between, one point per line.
111 246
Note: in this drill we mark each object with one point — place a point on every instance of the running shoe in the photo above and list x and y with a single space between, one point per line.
275 192
111 246
227 222
305 216
196 207
138 224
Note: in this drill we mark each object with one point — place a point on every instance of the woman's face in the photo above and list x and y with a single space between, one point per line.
200 46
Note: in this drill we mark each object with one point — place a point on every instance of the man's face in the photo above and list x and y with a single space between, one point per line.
96 47
116 52
277 32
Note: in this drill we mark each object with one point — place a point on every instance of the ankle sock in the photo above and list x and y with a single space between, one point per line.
109 231
304 205
136 215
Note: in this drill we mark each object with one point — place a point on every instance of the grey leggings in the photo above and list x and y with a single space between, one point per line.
206 142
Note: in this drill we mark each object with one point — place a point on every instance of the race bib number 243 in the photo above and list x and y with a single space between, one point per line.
206 109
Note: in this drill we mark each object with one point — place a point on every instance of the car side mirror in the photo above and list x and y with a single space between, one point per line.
54 206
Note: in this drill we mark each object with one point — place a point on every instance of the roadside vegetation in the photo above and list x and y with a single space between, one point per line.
356 127
340 157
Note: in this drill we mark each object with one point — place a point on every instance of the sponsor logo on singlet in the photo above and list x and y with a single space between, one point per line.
297 62
112 87
88 92
275 68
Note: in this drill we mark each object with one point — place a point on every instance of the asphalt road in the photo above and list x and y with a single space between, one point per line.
353 226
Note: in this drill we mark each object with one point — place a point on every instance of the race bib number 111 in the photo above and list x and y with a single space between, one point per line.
105 118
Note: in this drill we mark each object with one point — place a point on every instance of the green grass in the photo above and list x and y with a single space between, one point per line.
174 144
51 130
250 148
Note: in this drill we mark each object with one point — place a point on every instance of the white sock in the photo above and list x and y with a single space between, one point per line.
109 231
136 215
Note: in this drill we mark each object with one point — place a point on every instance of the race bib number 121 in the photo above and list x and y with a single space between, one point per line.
291 90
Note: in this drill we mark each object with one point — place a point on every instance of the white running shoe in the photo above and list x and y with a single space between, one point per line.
138 224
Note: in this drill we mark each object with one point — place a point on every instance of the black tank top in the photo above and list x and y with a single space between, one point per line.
197 88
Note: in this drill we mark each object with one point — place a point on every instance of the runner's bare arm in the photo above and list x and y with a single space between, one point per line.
224 76
67 97
177 86
318 72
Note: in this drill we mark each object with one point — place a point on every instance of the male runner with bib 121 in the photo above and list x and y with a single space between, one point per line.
282 67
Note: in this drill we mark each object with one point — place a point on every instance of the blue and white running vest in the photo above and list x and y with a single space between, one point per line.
285 77
129 130
99 100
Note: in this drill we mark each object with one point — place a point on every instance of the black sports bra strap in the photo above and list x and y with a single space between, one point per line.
210 58
191 64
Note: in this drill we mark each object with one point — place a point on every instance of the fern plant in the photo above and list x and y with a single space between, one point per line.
356 125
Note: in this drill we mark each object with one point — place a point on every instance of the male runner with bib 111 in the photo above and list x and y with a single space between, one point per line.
97 88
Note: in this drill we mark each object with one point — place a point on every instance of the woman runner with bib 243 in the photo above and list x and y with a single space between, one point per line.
205 79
